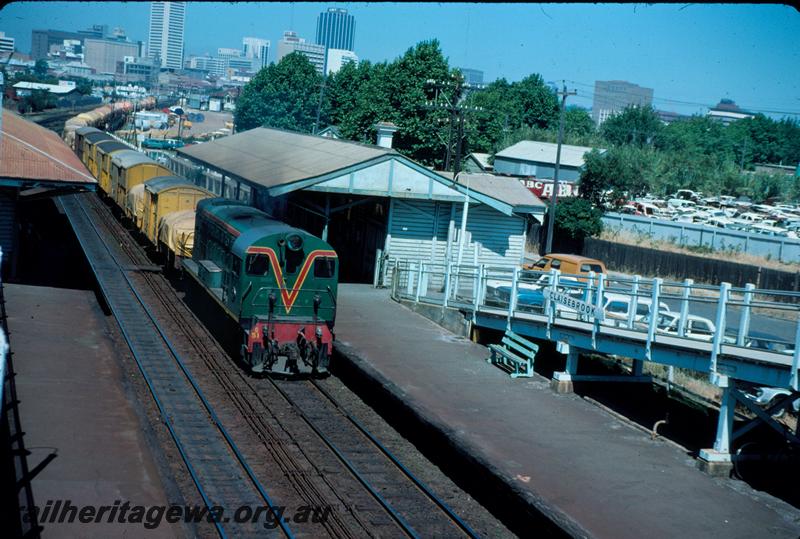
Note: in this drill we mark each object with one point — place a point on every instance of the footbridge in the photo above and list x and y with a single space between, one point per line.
735 338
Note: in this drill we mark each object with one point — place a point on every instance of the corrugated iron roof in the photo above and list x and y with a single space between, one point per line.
503 188
545 152
272 157
31 152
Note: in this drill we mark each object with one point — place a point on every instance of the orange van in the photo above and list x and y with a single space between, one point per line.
567 264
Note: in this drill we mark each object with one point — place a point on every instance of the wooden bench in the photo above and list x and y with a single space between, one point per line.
514 354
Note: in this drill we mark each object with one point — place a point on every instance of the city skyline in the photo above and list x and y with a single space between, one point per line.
691 55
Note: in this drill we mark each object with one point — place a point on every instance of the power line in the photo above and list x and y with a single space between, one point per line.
620 100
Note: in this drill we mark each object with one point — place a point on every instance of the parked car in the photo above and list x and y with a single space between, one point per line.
617 308
697 327
568 264
764 397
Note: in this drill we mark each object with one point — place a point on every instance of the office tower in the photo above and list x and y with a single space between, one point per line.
614 96
165 42
6 43
336 29
291 43
338 58
256 49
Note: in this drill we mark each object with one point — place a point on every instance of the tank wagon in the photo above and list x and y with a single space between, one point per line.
276 282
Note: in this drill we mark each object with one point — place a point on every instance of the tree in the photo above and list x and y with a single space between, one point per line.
637 126
620 173
578 122
283 95
577 218
40 67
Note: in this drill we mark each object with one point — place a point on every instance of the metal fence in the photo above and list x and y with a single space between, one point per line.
742 318
717 239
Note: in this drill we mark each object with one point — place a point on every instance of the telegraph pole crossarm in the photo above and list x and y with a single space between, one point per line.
551 212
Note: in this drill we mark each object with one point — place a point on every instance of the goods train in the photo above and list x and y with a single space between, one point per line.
275 285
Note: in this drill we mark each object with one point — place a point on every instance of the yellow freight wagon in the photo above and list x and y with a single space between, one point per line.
176 236
89 141
163 196
103 153
129 168
134 205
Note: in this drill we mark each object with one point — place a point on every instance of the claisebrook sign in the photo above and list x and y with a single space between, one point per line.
583 308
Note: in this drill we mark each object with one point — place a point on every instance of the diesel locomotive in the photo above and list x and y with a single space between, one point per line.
273 286
277 282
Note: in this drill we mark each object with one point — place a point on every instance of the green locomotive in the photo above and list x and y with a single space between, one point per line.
278 283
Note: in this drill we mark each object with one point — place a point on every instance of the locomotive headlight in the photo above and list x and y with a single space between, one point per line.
294 242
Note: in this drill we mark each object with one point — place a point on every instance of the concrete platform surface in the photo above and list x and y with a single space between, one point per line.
73 401
603 477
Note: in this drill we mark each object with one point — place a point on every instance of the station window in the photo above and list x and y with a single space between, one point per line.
257 264
324 267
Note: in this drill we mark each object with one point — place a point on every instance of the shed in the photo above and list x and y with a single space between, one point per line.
164 195
361 198
538 159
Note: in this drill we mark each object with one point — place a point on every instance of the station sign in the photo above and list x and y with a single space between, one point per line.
544 188
583 308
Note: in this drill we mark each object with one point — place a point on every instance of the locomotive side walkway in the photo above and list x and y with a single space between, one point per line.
583 469
73 401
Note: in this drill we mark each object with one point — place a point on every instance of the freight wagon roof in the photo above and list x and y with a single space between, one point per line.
162 183
129 158
97 136
86 130
272 157
31 153
108 146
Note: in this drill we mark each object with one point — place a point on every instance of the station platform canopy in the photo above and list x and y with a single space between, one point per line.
32 156
280 162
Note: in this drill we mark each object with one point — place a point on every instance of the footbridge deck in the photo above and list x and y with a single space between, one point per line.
737 337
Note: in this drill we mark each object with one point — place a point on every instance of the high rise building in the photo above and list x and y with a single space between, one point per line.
472 76
6 43
256 49
165 41
612 96
338 58
42 40
291 43
336 29
102 55
97 31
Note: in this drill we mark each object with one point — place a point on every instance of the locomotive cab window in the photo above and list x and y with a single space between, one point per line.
257 264
325 267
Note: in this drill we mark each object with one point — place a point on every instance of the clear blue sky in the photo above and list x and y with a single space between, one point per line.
693 53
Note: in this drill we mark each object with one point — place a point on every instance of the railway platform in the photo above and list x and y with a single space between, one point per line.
579 467
74 402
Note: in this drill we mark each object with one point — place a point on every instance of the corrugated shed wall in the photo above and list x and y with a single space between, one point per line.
419 232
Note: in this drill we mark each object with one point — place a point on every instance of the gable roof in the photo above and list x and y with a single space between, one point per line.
273 157
545 152
30 152
507 190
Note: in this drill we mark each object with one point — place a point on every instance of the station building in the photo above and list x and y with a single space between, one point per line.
369 200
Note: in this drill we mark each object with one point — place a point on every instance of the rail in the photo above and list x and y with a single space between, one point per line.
746 323
171 385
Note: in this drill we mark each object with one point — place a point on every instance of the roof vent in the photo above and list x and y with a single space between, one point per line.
385 133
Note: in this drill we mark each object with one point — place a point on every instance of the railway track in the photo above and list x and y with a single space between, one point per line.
295 433
219 471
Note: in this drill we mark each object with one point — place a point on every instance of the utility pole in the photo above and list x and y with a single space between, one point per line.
452 102
319 104
551 212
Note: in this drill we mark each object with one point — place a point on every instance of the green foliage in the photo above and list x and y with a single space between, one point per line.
577 218
283 95
636 126
511 107
578 123
40 68
39 100
618 174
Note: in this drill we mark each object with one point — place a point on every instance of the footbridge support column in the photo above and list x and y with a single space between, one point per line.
562 381
717 460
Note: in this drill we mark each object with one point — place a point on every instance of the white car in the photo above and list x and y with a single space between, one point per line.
763 396
697 327
617 309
